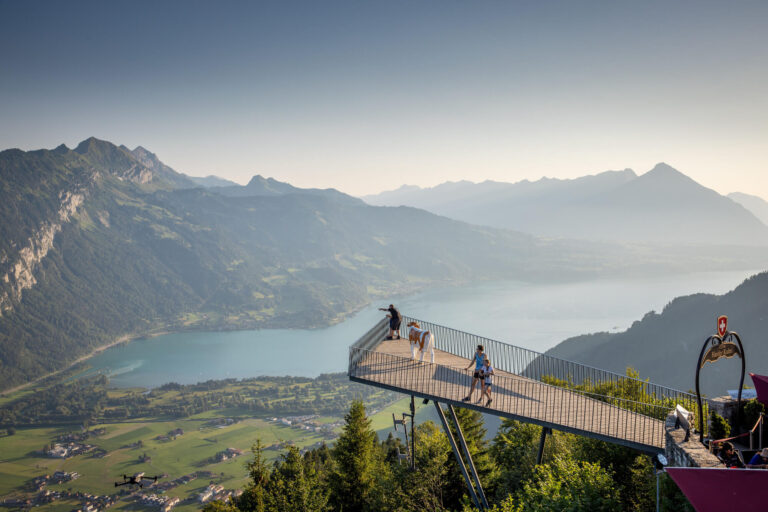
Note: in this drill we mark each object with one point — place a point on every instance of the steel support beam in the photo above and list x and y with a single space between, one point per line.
544 432
471 463
456 453
413 433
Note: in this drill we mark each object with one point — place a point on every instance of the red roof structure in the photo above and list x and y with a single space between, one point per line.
761 386
720 489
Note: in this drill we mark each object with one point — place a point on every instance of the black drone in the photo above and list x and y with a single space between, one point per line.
137 479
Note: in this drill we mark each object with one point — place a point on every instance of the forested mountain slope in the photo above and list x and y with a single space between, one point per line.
665 346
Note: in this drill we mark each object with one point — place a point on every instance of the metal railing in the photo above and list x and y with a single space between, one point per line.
371 339
625 421
534 365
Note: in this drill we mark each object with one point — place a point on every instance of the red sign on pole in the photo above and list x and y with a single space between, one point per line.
722 325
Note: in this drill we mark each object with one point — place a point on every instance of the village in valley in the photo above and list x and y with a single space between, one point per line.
198 459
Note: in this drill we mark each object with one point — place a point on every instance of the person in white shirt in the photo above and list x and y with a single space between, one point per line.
487 372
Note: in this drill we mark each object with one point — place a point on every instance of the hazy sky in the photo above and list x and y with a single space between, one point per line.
365 96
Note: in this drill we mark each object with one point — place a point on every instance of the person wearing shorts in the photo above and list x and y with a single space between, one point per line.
487 380
394 322
478 360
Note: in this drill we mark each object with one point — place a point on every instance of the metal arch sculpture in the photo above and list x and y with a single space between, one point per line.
720 346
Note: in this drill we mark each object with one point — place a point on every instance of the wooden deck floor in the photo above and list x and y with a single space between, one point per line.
390 366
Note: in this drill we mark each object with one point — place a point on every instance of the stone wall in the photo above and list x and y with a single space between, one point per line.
726 407
690 454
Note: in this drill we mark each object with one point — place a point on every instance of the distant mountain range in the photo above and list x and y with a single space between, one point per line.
757 205
660 206
212 181
665 346
101 241
261 186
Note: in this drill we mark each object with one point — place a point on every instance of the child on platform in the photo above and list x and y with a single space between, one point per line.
487 372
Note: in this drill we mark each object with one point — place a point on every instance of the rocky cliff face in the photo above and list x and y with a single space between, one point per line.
79 170
21 275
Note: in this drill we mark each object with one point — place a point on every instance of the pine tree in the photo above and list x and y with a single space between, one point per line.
253 498
356 481
294 485
425 489
515 449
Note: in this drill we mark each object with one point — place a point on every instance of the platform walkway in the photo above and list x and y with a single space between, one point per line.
388 364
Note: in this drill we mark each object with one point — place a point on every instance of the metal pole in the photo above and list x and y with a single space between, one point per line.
413 435
658 473
465 448
456 453
544 432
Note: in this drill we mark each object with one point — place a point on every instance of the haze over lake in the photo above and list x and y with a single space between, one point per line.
535 316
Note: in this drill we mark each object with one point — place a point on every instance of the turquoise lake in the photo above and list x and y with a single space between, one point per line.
535 316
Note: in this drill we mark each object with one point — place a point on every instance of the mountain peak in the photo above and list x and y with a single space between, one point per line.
269 186
257 180
146 157
663 169
150 160
141 150
92 143
668 175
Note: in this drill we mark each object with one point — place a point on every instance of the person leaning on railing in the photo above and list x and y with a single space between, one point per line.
759 460
394 322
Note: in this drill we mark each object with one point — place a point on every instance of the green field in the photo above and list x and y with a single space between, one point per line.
186 454
125 441
381 422
128 440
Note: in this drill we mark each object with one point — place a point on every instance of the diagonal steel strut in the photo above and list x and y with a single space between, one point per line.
465 448
456 453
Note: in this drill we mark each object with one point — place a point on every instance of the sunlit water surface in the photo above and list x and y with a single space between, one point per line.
535 316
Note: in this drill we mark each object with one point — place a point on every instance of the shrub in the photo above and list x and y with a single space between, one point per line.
719 426
752 411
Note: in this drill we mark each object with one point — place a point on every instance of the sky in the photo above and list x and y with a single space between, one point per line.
366 96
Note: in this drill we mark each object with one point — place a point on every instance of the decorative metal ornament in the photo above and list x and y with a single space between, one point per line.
725 349
716 347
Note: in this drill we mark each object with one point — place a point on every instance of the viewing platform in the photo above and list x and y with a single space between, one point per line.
523 385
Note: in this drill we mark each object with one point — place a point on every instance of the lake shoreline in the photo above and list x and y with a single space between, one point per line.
429 302
174 329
